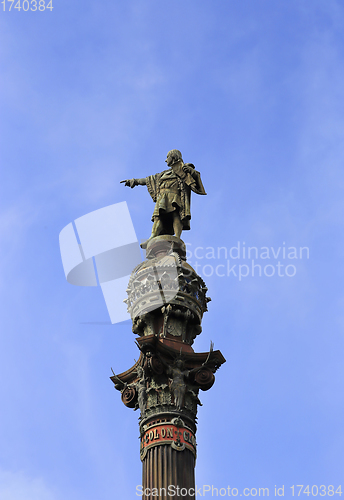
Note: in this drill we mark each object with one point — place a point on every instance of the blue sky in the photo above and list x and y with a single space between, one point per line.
252 93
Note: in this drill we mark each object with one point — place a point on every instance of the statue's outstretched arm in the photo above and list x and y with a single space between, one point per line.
134 182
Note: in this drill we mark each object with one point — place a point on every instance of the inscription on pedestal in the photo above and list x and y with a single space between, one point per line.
179 438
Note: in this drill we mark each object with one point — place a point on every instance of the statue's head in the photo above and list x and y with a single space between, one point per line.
173 156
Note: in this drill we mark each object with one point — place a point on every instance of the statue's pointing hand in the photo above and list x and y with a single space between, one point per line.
129 182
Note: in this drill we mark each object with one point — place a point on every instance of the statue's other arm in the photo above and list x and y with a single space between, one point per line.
134 182
188 169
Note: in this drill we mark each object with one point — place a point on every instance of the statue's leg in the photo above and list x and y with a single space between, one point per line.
157 227
177 224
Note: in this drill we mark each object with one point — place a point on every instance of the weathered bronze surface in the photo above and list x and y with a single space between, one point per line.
171 190
166 301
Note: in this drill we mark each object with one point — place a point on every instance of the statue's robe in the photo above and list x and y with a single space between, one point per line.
171 191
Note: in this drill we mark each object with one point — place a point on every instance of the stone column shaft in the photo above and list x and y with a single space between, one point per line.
164 467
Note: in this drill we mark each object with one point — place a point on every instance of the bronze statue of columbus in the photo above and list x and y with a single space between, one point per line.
171 192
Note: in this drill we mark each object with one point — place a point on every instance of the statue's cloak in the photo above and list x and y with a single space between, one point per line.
186 183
